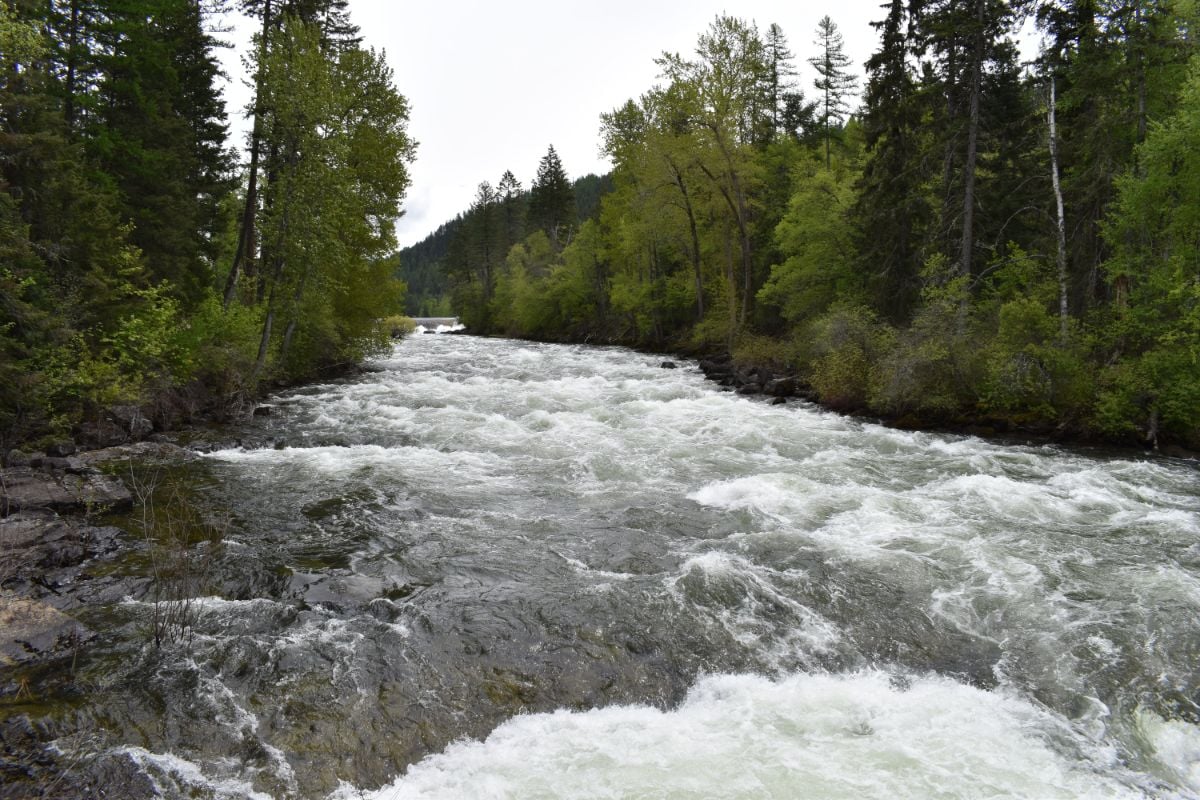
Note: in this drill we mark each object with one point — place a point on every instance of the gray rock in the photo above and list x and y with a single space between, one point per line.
16 458
133 420
749 388
105 433
30 630
151 451
781 387
715 369
25 489
669 365
61 449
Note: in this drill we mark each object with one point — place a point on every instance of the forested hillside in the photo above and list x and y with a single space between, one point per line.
981 239
477 236
139 263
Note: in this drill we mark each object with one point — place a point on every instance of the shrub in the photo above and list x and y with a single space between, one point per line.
843 349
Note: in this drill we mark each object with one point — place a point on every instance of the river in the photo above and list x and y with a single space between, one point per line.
494 569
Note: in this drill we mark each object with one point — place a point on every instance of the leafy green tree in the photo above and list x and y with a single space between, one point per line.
719 97
339 129
816 237
1154 387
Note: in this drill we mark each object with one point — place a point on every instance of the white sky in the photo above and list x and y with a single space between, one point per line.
492 84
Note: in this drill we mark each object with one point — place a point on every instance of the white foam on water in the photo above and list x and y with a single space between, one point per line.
1175 745
173 776
742 597
807 736
1068 564
422 329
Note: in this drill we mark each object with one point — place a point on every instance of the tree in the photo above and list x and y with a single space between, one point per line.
1117 66
780 77
718 96
834 83
1151 384
484 236
338 128
982 123
512 210
551 200
892 210
816 239
159 130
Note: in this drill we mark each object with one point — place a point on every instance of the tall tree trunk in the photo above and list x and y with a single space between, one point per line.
265 340
731 282
72 67
968 211
246 239
1061 217
691 216
950 156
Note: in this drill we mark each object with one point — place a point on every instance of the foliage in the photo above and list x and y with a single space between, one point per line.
846 348
117 208
1153 386
904 260
817 238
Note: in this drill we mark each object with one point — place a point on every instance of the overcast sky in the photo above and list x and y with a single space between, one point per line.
493 84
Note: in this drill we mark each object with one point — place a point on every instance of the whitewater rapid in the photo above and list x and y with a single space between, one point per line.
493 569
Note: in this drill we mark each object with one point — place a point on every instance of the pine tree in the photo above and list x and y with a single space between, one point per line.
512 209
892 212
1117 65
971 72
484 234
160 130
834 83
551 200
780 77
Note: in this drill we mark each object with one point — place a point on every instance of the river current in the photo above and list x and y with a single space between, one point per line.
494 569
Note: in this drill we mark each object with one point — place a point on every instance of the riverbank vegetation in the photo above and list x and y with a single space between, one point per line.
982 239
139 263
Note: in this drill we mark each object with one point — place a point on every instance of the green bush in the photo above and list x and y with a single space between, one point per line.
935 364
843 350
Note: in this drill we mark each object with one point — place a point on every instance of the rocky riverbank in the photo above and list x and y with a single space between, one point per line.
53 544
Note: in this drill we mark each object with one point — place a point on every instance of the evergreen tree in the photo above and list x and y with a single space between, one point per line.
780 77
892 211
834 83
551 200
485 236
160 130
971 74
1117 66
512 209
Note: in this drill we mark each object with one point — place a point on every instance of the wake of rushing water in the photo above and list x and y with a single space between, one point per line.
494 569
